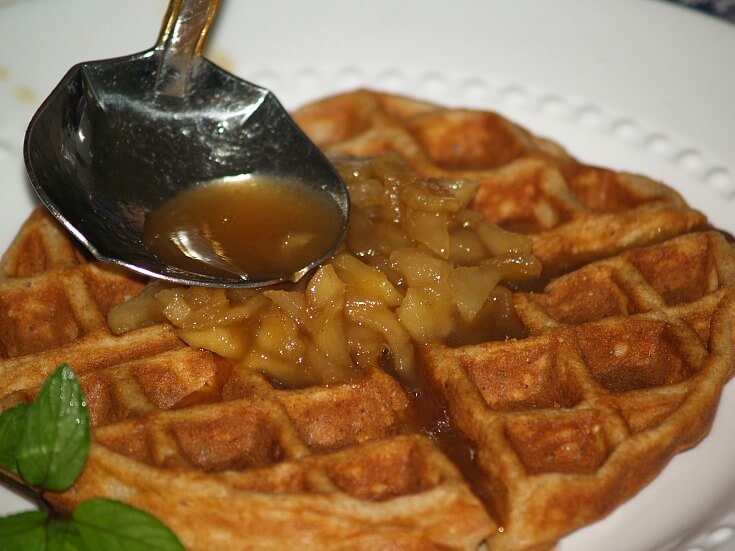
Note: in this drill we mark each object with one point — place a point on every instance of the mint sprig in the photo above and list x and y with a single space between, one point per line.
24 531
105 524
54 443
62 535
47 443
11 426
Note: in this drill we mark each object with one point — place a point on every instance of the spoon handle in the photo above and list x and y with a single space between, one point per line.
181 41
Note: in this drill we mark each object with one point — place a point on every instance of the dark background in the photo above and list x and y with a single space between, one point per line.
724 9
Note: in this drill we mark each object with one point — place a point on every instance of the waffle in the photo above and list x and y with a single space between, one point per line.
618 360
225 459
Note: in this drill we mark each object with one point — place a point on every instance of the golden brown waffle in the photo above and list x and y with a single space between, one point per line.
225 459
626 356
624 369
576 213
627 347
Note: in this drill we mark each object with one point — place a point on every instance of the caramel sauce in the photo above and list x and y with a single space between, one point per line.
254 227
387 279
429 416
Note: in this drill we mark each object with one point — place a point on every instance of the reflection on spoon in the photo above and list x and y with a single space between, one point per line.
204 250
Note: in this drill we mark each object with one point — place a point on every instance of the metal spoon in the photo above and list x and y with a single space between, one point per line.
118 137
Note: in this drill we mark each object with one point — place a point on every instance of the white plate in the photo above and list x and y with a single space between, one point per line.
629 84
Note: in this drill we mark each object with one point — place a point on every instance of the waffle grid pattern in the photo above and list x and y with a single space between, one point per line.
575 213
630 340
605 395
629 346
180 427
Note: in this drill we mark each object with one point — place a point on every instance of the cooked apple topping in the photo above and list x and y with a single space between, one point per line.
417 266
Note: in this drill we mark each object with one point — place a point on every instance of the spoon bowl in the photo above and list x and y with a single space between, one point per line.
118 137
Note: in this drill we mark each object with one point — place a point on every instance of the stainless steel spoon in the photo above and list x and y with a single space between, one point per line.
118 137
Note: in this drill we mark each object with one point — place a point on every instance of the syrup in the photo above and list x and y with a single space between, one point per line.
256 227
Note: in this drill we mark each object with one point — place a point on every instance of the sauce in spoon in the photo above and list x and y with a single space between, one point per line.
251 226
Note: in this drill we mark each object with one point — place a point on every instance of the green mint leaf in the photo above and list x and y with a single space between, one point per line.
48 442
63 535
54 443
115 526
11 426
23 532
